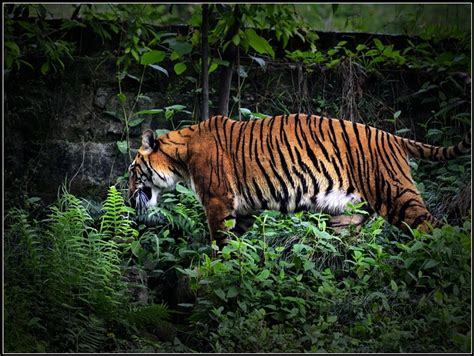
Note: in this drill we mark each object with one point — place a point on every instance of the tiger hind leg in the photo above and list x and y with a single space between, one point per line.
418 217
409 210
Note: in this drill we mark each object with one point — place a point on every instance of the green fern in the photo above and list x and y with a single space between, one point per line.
22 236
88 334
23 256
74 287
84 270
183 212
150 315
116 223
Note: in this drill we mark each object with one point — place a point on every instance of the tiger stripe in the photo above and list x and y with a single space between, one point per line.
288 163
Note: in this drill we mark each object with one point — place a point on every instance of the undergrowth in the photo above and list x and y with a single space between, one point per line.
64 285
89 278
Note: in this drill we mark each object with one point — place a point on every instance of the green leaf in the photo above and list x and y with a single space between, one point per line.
236 39
357 254
393 285
416 246
215 63
397 114
135 247
379 44
13 47
144 97
259 43
135 55
188 272
360 47
180 47
212 68
161 69
220 293
122 98
230 223
177 107
372 52
122 146
8 61
442 96
133 77
257 115
263 275
232 292
45 68
246 113
402 131
135 122
333 63
242 306
148 112
153 57
33 200
174 56
179 68
161 132
260 62
430 264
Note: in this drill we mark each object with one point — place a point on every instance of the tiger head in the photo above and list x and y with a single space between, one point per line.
150 173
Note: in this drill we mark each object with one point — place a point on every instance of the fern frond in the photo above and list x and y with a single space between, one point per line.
116 222
149 315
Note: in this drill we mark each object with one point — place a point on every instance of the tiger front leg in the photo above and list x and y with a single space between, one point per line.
217 212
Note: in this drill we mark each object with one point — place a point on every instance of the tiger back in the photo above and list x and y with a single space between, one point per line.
287 163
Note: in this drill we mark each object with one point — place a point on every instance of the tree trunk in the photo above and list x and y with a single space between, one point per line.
224 89
205 66
226 72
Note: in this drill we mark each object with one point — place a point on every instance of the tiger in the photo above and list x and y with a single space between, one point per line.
287 163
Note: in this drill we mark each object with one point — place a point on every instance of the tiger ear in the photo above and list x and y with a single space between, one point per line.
148 142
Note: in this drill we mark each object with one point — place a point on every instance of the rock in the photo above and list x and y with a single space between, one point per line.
89 168
102 96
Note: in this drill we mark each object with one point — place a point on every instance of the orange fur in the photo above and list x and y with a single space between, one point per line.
287 163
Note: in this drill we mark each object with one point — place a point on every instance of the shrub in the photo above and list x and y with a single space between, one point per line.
369 294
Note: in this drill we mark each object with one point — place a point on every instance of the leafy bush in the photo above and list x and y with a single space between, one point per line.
368 295
288 285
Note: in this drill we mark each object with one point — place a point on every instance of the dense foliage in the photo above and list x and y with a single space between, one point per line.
288 285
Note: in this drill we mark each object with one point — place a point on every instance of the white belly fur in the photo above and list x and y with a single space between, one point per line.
333 203
336 201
